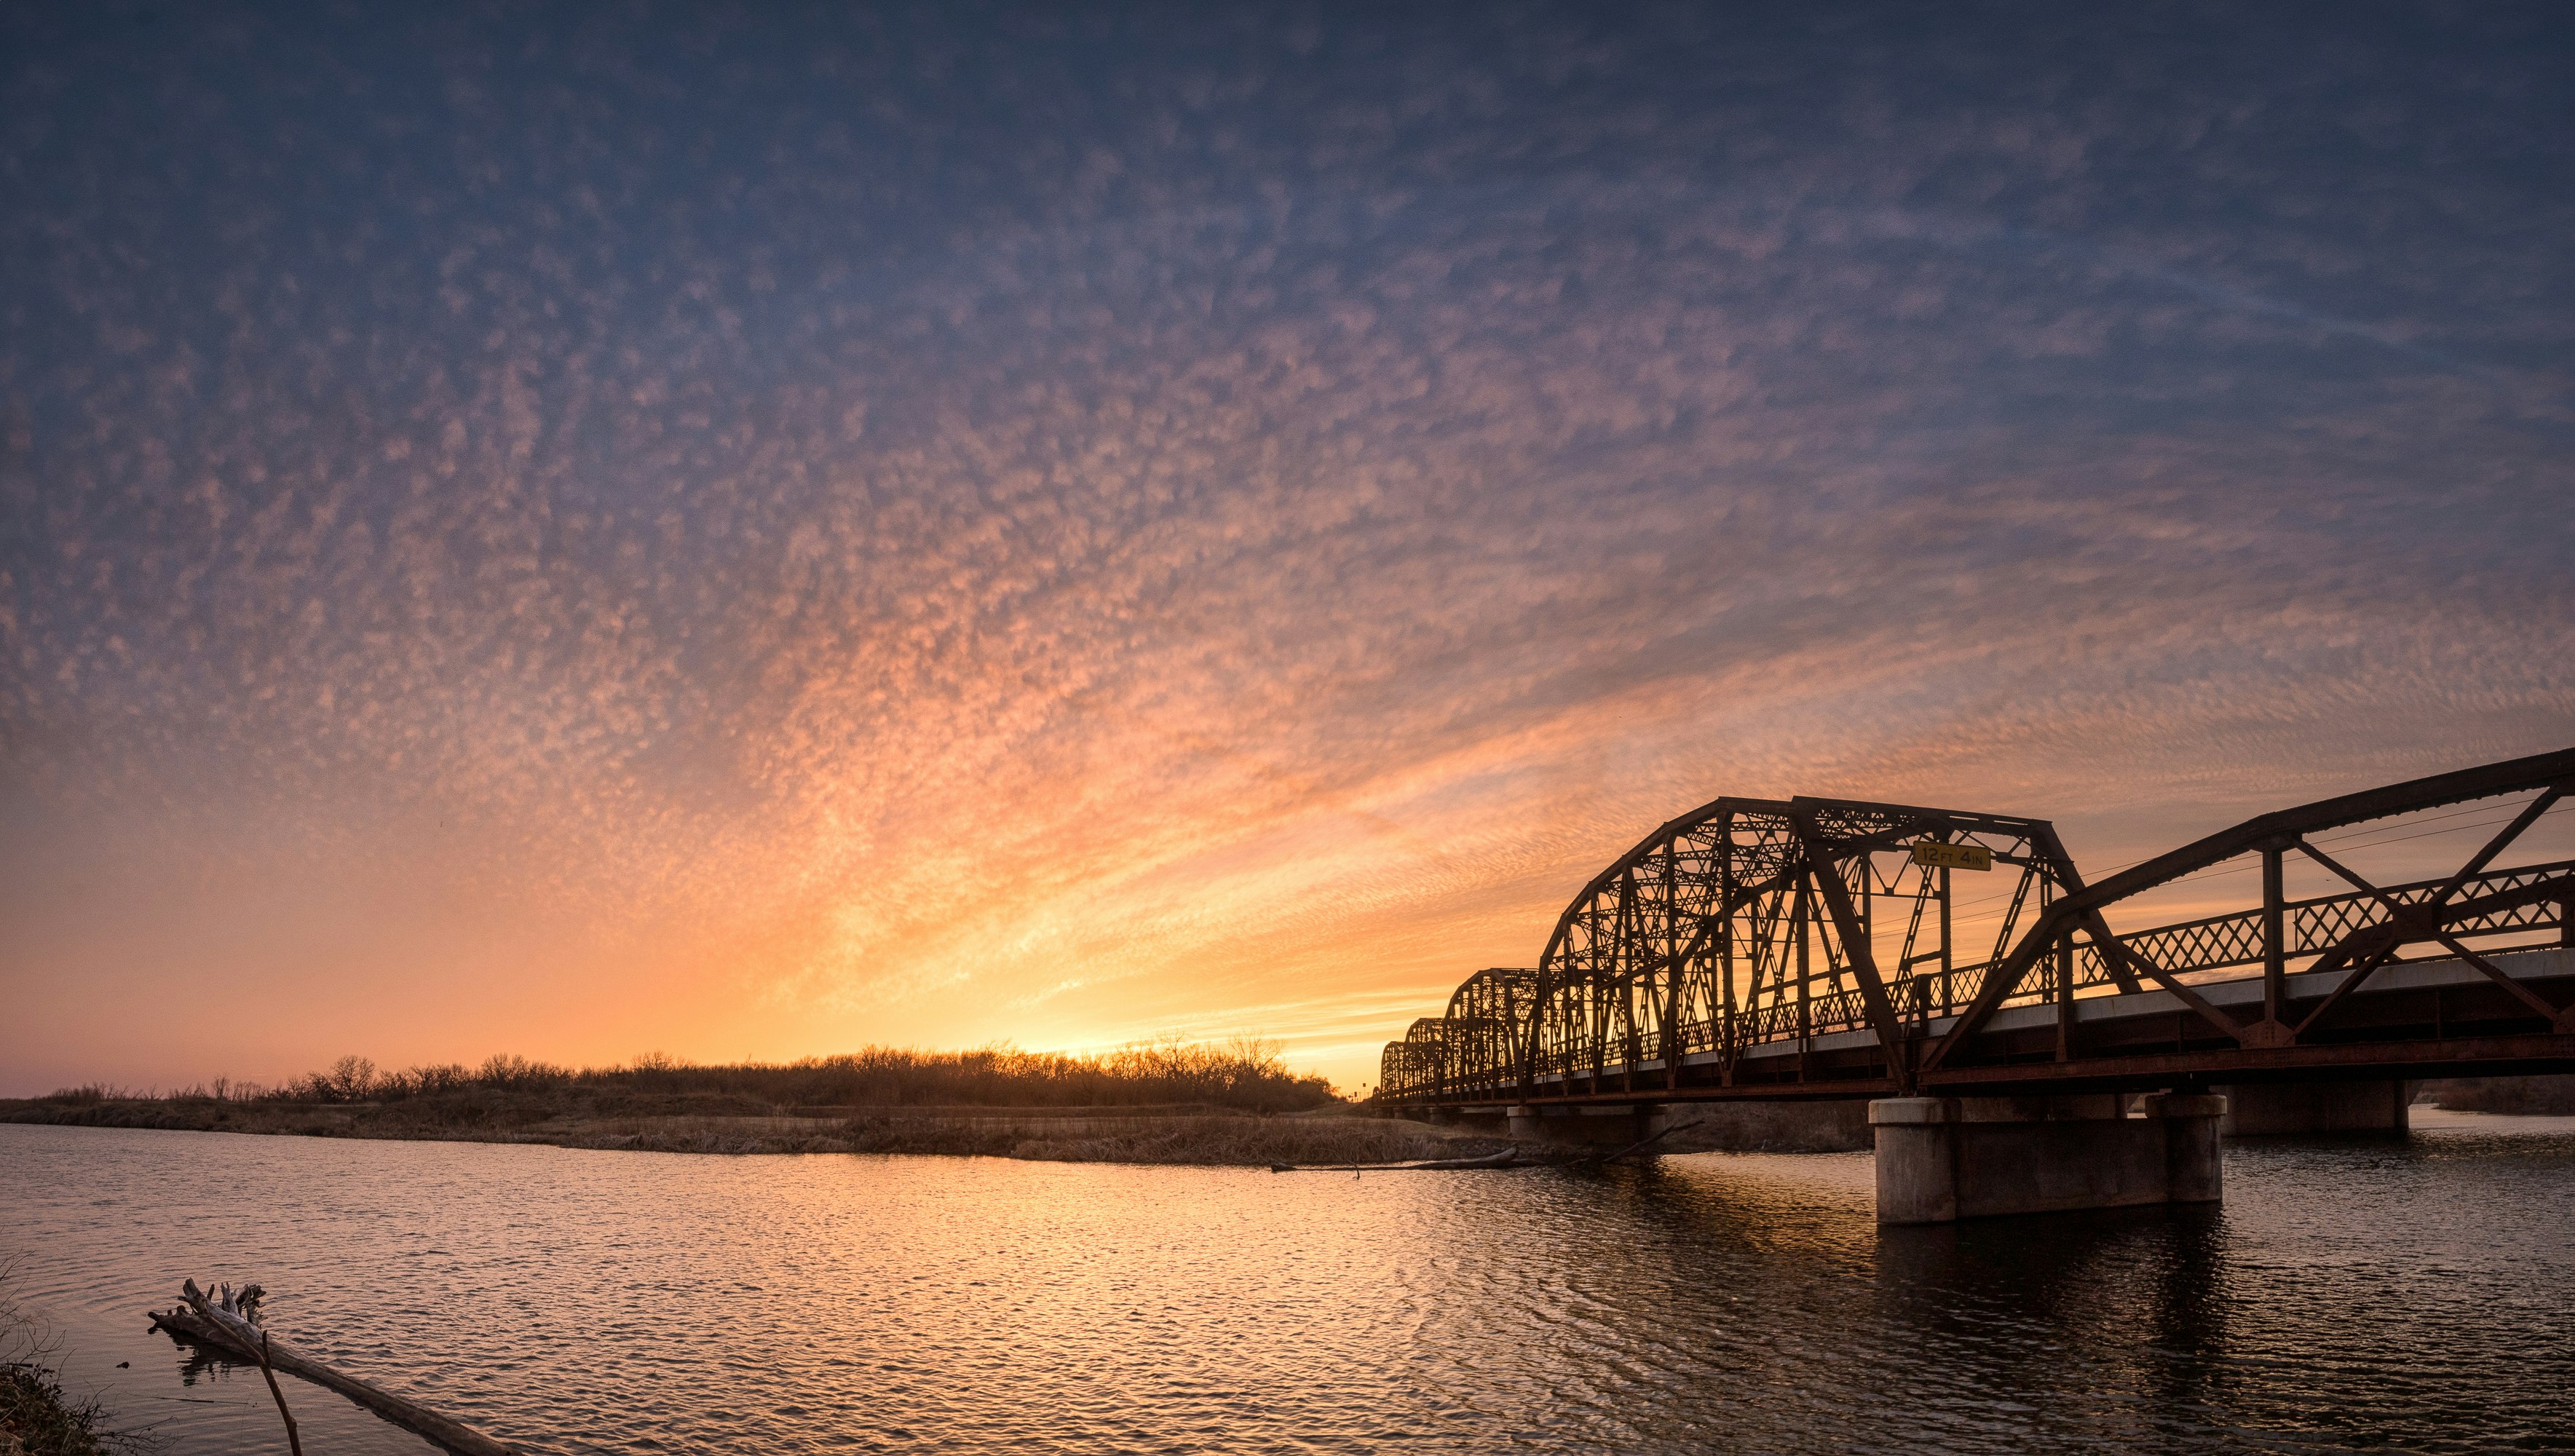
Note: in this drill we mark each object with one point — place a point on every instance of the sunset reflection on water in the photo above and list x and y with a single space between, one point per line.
596 1302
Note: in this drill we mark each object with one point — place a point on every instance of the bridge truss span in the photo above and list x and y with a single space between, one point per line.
1831 948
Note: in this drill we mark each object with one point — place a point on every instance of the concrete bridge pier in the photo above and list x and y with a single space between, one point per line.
2263 1110
1941 1159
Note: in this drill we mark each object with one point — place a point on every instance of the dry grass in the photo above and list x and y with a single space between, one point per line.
36 1418
695 1134
2527 1096
1206 1141
1244 1075
1215 1140
729 1125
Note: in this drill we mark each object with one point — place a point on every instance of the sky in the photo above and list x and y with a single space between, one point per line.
753 531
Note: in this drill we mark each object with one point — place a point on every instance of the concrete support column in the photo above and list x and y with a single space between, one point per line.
2194 1165
1523 1122
1939 1159
1917 1159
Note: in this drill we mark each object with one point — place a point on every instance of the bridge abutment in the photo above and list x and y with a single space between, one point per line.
2267 1109
1941 1159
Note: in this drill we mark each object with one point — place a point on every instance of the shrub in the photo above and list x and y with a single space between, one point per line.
1243 1074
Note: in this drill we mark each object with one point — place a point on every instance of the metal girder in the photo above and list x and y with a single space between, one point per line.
2548 773
1716 919
1825 871
1750 922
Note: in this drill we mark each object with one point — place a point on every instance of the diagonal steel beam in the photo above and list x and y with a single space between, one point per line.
2487 781
2424 921
2496 846
2400 915
2560 1018
2114 945
2052 849
2552 771
1825 870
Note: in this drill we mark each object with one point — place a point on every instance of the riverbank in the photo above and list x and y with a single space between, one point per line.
36 1417
2539 1097
1184 1135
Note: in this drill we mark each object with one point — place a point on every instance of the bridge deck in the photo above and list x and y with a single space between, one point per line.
1815 948
2430 1018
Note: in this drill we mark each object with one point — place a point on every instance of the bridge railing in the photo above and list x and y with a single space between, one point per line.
1440 1056
2315 926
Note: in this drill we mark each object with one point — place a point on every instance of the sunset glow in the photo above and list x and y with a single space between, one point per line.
748 541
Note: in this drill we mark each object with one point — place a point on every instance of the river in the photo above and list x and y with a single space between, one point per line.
2416 1294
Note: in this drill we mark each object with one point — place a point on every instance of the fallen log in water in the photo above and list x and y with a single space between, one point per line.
1508 1157
223 1323
1641 1143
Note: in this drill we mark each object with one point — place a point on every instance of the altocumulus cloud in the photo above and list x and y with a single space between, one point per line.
755 534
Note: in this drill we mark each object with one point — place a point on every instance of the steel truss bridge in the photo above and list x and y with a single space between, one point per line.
1806 947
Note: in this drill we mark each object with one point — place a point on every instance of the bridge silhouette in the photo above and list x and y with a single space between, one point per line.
1816 948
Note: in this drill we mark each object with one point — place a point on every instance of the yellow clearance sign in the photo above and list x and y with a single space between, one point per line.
1952 856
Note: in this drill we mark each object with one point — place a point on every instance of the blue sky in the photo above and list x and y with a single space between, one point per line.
753 531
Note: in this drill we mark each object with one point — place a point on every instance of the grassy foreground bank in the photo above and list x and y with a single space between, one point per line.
36 1418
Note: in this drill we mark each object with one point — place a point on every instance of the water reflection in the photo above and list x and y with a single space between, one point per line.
2403 1295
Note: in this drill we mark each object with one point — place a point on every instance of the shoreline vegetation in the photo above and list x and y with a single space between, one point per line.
2540 1097
1231 1103
36 1417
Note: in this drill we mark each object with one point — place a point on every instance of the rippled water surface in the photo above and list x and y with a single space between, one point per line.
2415 1294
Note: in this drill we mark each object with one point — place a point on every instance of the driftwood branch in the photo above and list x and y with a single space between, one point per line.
294 1442
225 1323
1642 1142
1508 1157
